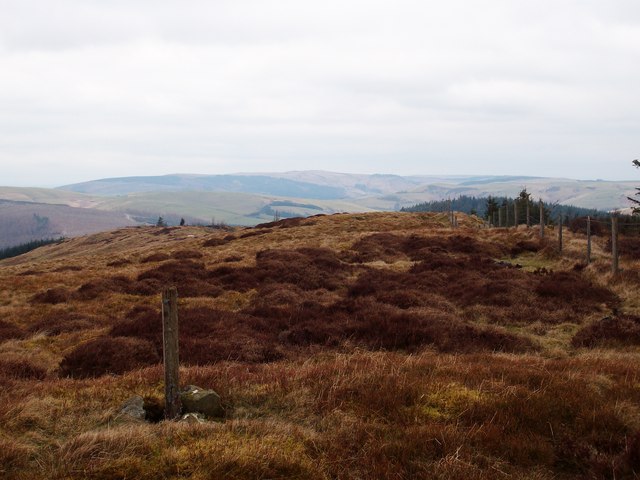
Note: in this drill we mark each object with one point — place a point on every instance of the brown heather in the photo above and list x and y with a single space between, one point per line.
627 246
348 346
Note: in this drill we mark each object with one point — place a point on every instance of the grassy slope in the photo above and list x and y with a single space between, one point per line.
232 208
48 195
587 194
341 407
238 208
228 207
18 221
385 192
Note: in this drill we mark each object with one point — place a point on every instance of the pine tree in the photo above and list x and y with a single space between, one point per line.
524 199
491 208
636 209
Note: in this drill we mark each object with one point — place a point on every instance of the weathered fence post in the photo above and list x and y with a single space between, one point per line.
170 352
541 219
560 235
588 240
528 218
500 216
506 215
515 214
614 243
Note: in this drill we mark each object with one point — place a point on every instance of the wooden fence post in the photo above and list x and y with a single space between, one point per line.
500 216
541 219
170 353
588 240
515 214
506 215
614 243
560 236
528 218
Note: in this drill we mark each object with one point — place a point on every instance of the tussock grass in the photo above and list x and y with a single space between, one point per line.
363 414
347 346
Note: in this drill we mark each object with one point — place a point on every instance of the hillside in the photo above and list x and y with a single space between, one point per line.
51 196
378 192
100 213
229 207
253 184
381 345
586 194
250 199
21 222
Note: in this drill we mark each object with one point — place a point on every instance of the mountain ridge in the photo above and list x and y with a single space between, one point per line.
365 188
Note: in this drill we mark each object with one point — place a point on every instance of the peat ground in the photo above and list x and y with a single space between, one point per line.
346 346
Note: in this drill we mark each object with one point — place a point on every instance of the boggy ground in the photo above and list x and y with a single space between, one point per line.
349 346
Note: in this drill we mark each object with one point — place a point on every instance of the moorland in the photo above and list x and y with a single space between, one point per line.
351 346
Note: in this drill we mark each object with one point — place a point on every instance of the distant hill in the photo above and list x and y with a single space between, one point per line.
229 207
255 184
374 192
601 195
253 198
22 222
358 185
18 224
48 196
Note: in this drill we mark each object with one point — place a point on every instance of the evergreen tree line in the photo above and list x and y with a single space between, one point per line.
627 225
499 210
27 247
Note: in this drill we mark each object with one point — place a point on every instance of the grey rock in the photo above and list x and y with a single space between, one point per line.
134 408
193 418
199 400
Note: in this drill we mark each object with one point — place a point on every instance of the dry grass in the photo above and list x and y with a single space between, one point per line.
357 415
348 346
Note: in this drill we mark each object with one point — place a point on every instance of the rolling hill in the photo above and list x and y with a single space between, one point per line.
51 196
22 222
250 199
253 184
222 207
379 192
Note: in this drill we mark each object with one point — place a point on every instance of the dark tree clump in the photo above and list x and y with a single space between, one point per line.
636 208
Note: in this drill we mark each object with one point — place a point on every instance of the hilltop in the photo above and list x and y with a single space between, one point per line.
378 345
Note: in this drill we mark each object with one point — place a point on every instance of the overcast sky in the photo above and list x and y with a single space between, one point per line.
92 89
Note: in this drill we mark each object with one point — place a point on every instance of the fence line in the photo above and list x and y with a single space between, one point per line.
613 222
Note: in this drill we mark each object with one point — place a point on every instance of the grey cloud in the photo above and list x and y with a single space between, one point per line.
94 88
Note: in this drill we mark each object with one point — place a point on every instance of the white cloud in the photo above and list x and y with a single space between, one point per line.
91 88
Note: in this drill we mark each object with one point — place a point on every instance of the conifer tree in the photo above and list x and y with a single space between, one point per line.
636 208
491 208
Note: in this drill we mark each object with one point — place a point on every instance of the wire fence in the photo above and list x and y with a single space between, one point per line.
613 227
